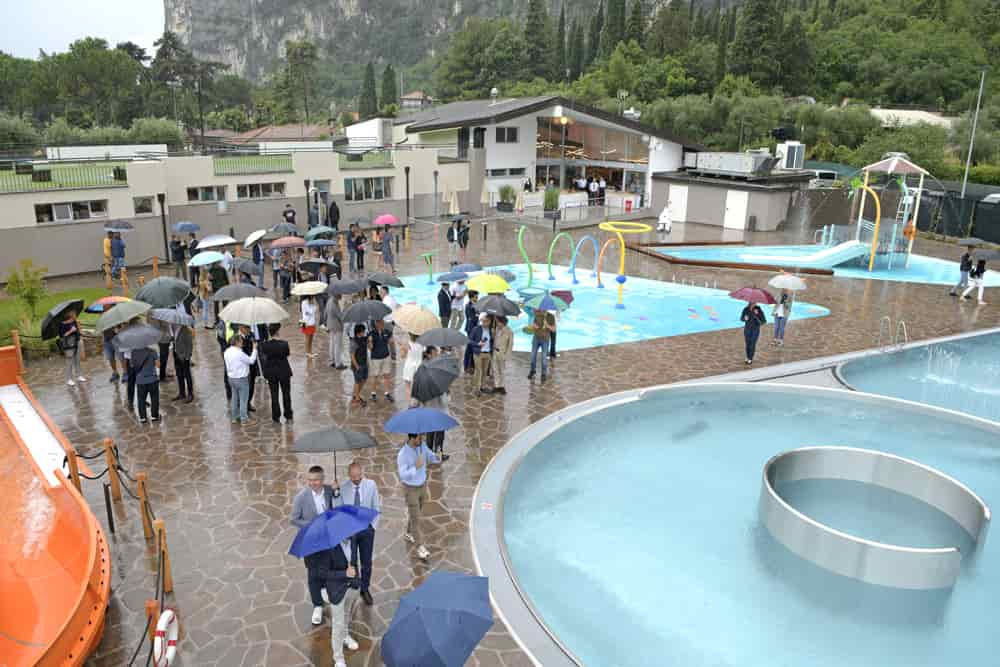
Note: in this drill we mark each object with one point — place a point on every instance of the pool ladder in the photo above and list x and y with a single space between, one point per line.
896 339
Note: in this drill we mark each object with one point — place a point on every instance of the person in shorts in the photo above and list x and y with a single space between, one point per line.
380 343
359 363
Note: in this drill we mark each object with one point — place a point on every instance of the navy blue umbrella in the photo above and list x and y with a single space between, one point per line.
186 227
466 268
331 528
420 420
452 277
440 623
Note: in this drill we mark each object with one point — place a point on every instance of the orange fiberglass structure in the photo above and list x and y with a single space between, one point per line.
55 569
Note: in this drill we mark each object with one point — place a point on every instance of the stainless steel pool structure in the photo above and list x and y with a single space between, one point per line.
851 556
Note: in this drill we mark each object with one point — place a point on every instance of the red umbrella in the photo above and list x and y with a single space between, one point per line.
289 242
386 219
564 294
753 295
106 303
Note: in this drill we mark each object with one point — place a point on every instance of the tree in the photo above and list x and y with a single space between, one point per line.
539 54
561 59
635 30
368 99
26 283
134 51
614 26
17 133
669 32
594 37
796 56
754 52
16 89
577 50
300 57
390 94
721 45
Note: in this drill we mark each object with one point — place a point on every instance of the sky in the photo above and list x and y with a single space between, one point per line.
51 25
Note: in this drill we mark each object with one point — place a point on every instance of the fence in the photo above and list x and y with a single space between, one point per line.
239 165
28 177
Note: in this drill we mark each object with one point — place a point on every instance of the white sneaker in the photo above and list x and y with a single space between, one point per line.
82 379
70 383
317 617
350 644
406 536
423 553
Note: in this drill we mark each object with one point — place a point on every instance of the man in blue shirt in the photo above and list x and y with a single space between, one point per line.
411 464
362 492
117 255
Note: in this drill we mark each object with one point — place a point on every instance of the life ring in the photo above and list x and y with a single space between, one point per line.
910 230
165 639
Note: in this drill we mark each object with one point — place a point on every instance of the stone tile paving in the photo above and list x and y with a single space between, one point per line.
225 491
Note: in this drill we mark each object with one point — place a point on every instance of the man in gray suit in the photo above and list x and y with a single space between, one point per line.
335 325
309 503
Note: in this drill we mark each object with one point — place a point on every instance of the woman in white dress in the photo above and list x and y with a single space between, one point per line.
414 355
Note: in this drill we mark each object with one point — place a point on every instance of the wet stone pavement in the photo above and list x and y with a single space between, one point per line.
225 491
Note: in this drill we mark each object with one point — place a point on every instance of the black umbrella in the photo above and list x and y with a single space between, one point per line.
971 241
137 336
989 255
50 323
163 292
340 287
433 378
497 304
237 291
380 278
334 440
244 265
443 337
366 311
314 265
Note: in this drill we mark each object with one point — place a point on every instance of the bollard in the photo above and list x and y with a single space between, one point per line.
153 614
156 267
112 461
483 223
74 470
161 544
147 528
15 340
107 506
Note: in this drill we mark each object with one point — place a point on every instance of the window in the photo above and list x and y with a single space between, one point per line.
142 205
260 190
506 135
364 189
517 171
77 210
207 193
479 137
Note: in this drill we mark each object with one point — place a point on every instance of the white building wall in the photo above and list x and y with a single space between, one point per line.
103 152
278 147
663 156
521 154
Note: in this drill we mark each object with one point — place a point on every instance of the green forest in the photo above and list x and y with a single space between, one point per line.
722 76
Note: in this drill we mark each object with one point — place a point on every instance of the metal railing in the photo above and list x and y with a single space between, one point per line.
238 165
896 338
376 159
42 176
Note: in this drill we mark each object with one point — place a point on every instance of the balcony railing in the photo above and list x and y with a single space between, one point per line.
238 165
39 177
378 159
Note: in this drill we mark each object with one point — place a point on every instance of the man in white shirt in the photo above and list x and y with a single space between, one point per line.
238 365
389 301
458 291
592 188
362 492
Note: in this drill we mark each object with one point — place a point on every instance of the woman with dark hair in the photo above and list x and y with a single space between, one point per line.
309 318
752 317
976 281
782 311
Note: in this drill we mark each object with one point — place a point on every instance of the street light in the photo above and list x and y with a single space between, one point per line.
563 121
972 137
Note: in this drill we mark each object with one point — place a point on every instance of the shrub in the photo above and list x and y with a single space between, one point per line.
17 132
551 199
157 131
507 194
26 283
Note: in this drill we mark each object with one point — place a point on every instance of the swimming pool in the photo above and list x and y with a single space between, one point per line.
653 308
922 269
961 374
631 527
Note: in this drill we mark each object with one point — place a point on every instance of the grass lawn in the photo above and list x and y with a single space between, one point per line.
371 160
11 314
251 164
64 175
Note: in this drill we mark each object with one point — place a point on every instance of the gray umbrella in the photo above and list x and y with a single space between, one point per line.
50 323
244 265
366 311
163 292
172 316
442 337
314 265
334 440
989 255
380 278
237 291
340 287
496 304
971 241
121 314
284 228
138 336
509 276
433 378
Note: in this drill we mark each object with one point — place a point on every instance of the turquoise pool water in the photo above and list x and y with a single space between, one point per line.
653 309
634 533
922 269
961 375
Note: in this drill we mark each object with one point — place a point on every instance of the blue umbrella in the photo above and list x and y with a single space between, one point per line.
440 623
186 227
466 268
452 277
419 420
320 243
206 257
330 529
284 228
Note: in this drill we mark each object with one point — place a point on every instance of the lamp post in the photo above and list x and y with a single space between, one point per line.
161 198
563 121
972 137
436 196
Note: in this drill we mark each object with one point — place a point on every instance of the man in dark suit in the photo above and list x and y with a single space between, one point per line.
310 502
444 305
278 373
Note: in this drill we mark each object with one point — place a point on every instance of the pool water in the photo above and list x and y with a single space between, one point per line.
922 269
961 375
634 533
653 308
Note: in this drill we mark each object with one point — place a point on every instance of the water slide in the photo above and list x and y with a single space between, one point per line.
55 570
823 259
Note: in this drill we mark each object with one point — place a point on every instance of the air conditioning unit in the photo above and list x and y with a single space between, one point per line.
792 155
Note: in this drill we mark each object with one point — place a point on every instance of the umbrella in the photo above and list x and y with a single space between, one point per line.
309 288
253 237
186 227
564 294
284 228
172 316
244 265
121 314
787 281
440 623
366 311
507 275
380 278
237 291
330 528
137 336
385 219
453 208
986 254
320 243
50 323
216 241
433 378
314 265
288 242
106 303
971 241
452 277
253 311
334 440
205 258
119 226
488 283
339 287
319 230
415 319
466 268
752 295
420 420
163 292
546 302
496 304
443 337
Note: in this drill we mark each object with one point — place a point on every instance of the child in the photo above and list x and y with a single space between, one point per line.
359 363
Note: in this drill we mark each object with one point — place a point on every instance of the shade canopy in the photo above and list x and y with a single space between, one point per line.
894 165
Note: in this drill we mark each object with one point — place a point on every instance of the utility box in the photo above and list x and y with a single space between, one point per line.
792 155
732 163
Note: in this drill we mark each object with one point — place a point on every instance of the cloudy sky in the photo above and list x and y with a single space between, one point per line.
52 24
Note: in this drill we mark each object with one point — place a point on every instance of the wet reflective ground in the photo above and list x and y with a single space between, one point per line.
225 491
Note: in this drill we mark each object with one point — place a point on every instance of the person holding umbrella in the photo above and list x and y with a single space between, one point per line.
471 322
434 377
238 365
977 280
316 498
359 363
335 327
444 305
540 330
183 348
177 248
752 318
359 491
143 362
117 255
964 266
69 343
411 465
380 343
781 312
308 319
503 344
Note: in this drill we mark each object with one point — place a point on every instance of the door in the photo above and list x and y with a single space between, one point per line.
678 202
736 209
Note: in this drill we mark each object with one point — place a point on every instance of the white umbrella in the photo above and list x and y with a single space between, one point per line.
788 282
309 288
252 311
453 204
254 237
416 319
216 241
